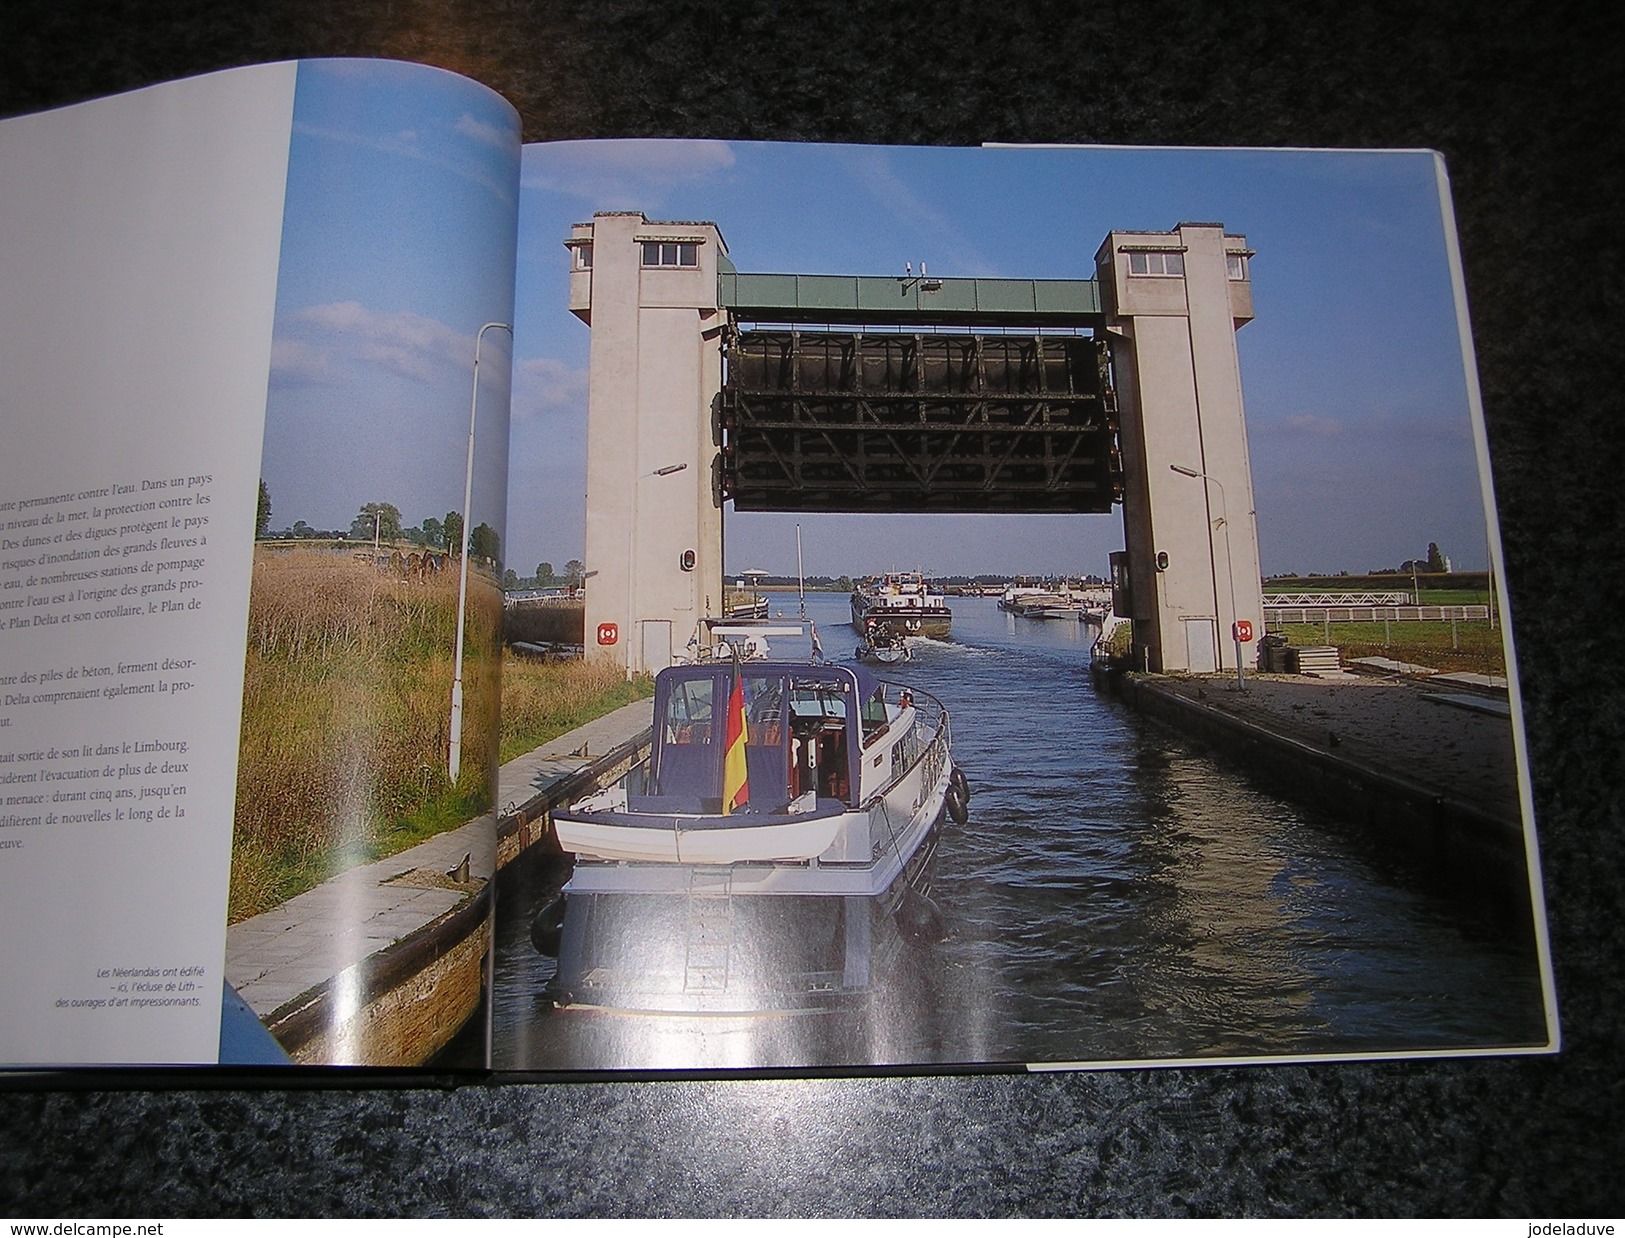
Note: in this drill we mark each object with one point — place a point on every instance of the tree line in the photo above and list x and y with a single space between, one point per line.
382 522
573 577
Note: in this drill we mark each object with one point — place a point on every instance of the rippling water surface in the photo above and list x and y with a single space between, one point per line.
1116 895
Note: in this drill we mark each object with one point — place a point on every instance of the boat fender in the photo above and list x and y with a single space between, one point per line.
955 804
957 779
920 921
548 927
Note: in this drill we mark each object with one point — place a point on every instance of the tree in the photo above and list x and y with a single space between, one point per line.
262 518
1435 559
381 520
544 575
575 573
483 543
302 530
452 530
510 579
434 533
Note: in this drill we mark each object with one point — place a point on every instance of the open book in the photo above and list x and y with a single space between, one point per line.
1004 719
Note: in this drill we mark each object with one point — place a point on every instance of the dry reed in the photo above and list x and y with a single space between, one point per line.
543 700
346 718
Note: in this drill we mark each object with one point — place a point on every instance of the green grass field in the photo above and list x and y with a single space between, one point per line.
1464 646
346 717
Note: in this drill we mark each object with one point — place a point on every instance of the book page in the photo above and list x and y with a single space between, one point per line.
252 325
138 254
360 876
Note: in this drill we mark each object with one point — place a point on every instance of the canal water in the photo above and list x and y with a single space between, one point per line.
1117 894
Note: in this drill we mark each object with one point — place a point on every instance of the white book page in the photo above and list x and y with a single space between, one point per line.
139 241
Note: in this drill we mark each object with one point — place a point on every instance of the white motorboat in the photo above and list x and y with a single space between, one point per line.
882 643
1016 596
782 828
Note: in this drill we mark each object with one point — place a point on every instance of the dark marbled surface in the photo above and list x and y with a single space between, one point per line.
1522 99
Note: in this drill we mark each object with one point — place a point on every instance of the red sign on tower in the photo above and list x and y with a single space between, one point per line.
1242 630
608 633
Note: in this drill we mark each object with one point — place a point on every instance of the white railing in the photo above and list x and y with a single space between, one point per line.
1274 615
1337 599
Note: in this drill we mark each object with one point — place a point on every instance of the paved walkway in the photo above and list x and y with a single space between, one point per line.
525 777
1433 730
315 936
274 957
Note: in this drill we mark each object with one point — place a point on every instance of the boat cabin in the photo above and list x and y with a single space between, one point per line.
806 728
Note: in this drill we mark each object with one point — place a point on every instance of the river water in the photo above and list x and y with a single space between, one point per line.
1116 895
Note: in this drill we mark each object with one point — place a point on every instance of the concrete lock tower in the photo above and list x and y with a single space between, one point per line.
1174 302
976 395
654 528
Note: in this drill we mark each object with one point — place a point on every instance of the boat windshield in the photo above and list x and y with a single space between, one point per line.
797 738
874 717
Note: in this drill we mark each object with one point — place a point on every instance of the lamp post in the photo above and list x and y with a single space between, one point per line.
454 756
1229 569
632 554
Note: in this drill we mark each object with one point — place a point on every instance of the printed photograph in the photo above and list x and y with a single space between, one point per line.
360 885
1036 608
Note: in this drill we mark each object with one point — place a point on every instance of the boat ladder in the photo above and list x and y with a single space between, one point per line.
710 930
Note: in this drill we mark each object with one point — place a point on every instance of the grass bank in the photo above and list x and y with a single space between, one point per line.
346 719
542 700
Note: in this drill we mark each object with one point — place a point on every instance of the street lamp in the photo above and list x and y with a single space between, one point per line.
632 554
454 756
1229 569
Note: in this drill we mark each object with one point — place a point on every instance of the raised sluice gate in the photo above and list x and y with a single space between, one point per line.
910 422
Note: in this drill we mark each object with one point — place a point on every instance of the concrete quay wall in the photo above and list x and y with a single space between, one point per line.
400 1006
1472 847
383 965
574 765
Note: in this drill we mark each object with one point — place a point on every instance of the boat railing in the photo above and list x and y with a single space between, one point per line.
934 754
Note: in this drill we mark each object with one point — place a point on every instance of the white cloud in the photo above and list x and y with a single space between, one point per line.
1313 425
300 361
544 385
955 253
499 136
410 144
626 174
312 342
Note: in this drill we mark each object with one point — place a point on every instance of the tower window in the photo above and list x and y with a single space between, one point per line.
1235 266
1156 262
671 254
583 255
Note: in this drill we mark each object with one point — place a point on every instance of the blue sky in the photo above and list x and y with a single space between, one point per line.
1357 405
398 244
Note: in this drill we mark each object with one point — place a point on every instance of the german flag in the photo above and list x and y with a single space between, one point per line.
735 777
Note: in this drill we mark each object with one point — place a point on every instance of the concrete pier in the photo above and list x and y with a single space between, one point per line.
1427 763
565 769
381 965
